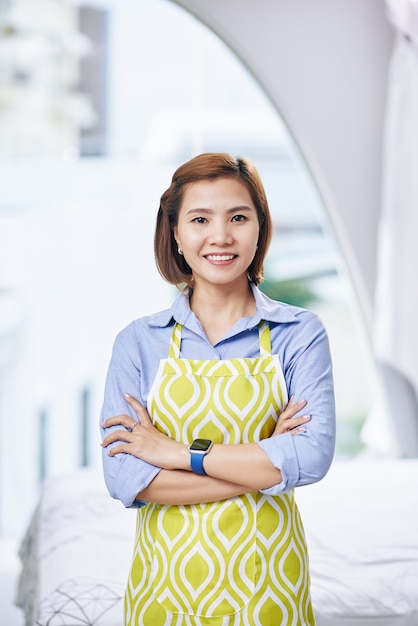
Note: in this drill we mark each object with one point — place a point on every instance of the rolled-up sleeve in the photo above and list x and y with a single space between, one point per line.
306 457
125 475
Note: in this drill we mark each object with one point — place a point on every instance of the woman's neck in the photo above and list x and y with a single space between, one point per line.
219 308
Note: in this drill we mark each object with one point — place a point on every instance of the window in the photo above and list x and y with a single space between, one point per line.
98 104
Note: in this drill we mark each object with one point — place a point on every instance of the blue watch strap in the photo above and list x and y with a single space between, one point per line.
196 462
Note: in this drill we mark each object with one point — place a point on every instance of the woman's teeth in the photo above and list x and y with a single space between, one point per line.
220 257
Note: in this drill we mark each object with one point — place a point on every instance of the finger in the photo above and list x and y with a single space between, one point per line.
123 447
297 431
119 420
297 421
291 409
291 405
288 424
140 410
117 435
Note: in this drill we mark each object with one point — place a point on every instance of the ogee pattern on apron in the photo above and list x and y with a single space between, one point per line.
239 561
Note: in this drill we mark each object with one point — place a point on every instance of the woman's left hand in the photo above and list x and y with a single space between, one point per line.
143 440
289 421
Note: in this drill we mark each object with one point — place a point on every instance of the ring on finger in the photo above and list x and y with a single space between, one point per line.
133 426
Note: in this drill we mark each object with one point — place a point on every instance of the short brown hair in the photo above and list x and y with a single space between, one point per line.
209 166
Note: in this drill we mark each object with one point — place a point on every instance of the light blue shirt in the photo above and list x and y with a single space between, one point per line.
299 339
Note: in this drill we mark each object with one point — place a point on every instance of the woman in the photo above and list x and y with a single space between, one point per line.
198 430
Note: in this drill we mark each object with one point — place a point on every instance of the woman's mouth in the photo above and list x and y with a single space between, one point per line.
216 258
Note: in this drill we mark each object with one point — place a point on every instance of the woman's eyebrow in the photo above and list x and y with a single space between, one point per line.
231 210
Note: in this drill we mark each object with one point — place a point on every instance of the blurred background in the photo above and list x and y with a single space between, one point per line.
99 103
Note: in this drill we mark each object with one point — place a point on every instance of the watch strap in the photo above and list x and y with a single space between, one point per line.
196 462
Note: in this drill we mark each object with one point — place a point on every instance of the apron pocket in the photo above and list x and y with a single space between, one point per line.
204 557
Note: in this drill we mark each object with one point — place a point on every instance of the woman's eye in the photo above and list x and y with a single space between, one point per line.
199 220
239 218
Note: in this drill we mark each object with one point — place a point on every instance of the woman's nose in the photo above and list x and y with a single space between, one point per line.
220 234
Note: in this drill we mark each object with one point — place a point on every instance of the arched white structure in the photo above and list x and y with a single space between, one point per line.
324 66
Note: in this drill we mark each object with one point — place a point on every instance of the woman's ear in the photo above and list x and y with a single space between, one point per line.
177 240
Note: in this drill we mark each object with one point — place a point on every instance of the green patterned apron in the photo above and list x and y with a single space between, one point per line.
236 562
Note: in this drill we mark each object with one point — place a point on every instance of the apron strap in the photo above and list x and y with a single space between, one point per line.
263 334
175 342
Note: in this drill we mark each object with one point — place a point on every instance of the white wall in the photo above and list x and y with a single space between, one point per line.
324 65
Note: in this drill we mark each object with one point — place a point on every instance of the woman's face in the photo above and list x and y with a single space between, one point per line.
217 230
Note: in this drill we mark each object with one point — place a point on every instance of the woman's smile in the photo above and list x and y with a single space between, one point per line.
220 258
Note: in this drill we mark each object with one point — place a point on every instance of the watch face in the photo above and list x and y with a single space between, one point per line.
200 445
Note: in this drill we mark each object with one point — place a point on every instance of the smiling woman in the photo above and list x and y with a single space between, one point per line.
221 442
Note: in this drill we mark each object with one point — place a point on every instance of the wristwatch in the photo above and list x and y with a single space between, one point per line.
198 450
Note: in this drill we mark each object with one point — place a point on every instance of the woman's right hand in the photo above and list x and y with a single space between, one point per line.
287 423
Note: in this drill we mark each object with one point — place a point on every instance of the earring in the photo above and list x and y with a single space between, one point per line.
180 251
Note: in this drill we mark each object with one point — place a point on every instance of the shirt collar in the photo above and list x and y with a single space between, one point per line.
267 309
